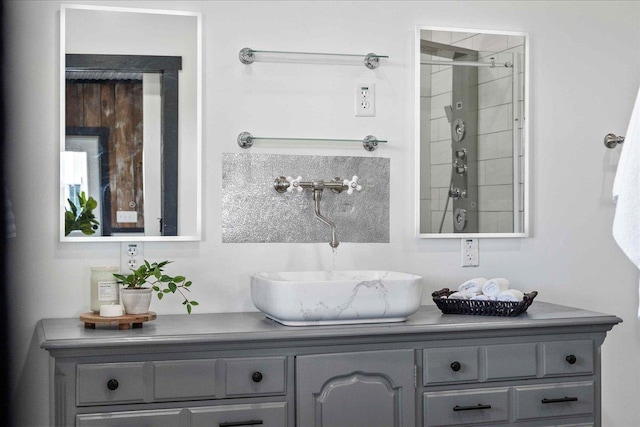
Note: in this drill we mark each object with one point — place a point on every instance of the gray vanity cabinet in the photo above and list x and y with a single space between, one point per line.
240 369
361 389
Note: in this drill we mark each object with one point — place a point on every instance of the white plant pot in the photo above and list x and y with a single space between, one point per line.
136 301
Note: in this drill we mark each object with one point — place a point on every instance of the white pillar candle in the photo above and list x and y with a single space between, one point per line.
112 310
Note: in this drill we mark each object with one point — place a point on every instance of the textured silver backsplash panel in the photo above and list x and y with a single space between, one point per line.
253 212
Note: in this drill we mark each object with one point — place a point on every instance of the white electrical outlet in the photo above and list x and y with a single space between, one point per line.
131 256
470 253
365 98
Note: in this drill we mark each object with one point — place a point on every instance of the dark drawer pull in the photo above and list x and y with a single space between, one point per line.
256 377
112 384
564 399
241 423
471 408
455 366
571 359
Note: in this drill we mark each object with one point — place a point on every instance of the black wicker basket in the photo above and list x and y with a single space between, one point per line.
479 307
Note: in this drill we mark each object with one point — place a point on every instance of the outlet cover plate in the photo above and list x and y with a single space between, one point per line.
470 253
365 98
126 217
131 256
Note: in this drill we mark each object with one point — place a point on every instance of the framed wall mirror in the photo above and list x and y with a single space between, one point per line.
472 141
130 131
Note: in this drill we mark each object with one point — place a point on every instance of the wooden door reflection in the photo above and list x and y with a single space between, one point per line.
116 105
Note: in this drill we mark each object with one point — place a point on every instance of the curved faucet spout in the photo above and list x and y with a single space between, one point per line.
317 196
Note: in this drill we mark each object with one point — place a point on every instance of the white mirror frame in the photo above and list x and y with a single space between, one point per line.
198 192
525 142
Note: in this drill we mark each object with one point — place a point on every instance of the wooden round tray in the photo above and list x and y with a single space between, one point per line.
126 321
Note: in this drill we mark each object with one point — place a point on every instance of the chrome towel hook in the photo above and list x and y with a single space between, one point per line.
611 140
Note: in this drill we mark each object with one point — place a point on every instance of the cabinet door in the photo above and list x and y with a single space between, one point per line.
364 389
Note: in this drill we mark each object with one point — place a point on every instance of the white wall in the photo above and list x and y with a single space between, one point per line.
585 72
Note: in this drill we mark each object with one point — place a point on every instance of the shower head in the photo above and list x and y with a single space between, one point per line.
449 112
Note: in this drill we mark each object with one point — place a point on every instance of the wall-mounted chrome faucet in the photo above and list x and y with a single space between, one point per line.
337 185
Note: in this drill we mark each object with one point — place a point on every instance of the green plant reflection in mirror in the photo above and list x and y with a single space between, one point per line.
79 216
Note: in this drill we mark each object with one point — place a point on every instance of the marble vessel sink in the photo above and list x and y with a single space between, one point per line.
332 298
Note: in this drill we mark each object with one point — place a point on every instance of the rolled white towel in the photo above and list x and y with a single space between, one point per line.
493 287
469 294
472 286
512 295
457 295
479 298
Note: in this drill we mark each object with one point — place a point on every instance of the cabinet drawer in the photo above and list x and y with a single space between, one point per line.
262 414
489 405
108 383
511 361
255 376
184 379
455 364
155 418
570 424
554 400
568 357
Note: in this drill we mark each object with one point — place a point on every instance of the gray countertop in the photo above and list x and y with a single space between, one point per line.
61 334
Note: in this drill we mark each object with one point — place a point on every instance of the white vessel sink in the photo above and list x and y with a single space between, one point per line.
332 298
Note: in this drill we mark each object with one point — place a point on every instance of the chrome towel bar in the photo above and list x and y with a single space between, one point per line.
370 60
370 142
491 64
611 140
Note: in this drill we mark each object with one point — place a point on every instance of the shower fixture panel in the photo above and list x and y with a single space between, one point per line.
464 146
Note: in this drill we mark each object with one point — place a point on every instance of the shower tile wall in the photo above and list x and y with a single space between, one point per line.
253 212
495 134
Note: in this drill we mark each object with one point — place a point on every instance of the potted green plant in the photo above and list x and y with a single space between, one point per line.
81 217
136 297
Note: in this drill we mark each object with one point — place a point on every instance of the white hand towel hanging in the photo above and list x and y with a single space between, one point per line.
626 192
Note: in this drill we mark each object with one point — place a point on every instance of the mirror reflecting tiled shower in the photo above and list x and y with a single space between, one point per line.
470 133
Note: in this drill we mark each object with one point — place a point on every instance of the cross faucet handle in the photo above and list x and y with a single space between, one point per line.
294 184
352 185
